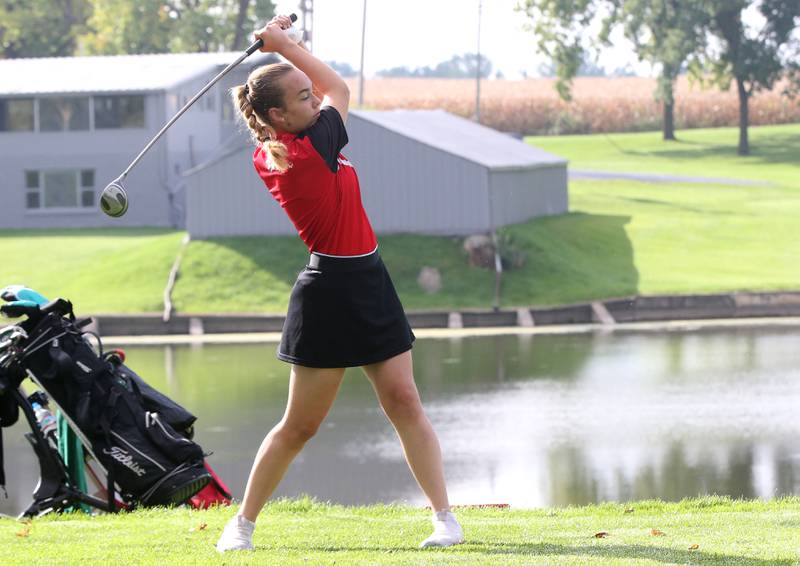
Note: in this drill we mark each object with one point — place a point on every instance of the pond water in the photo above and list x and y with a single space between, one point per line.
528 420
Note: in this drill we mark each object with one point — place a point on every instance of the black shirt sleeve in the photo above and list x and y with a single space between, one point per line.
328 136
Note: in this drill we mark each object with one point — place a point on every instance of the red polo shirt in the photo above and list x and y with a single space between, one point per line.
320 191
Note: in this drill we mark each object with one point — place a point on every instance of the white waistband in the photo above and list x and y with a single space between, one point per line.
360 255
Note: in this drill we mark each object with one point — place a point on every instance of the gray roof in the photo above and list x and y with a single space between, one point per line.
461 137
113 73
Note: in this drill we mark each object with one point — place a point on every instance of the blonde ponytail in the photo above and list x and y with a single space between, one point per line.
277 155
261 92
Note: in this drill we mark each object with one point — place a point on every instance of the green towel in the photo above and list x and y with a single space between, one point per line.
71 450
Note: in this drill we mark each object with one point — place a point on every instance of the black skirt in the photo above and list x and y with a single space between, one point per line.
344 312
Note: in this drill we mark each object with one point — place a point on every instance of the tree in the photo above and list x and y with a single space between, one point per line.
560 27
216 25
344 69
41 28
457 67
754 58
664 32
124 27
159 26
588 67
463 67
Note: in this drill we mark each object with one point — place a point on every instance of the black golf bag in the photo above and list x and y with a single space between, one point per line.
140 438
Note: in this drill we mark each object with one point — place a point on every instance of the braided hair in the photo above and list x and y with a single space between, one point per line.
261 92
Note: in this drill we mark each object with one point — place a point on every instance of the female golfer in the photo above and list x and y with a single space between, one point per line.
343 310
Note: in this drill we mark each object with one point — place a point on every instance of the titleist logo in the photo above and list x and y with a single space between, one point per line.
125 459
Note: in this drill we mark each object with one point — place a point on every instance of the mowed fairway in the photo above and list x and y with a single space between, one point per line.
709 530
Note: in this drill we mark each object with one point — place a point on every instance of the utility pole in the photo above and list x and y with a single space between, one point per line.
307 9
361 69
478 71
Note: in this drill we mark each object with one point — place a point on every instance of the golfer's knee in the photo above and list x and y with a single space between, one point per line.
297 433
402 404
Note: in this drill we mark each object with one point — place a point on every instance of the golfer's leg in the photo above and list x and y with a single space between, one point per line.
311 394
393 380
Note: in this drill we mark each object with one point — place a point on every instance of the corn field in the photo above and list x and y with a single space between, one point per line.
600 104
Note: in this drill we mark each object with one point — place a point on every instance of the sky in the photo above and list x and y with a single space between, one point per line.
418 33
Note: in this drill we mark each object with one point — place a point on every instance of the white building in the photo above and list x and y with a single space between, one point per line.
71 125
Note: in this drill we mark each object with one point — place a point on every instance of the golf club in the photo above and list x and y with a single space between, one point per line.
114 199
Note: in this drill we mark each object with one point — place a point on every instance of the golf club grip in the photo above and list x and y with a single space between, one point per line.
259 43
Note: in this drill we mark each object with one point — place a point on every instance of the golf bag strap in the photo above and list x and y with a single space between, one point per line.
2 468
106 417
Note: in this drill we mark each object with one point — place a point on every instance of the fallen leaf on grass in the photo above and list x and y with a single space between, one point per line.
601 534
694 547
24 532
657 533
200 527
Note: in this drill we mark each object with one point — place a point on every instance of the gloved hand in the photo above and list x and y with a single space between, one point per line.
21 301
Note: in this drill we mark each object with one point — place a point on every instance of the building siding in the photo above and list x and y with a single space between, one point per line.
229 199
519 195
107 152
410 187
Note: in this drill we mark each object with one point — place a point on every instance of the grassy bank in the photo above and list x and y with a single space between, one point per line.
100 270
710 530
619 238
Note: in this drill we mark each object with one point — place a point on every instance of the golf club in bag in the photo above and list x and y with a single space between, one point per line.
114 199
139 438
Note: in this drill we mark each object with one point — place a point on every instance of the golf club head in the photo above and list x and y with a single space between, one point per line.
12 333
5 359
114 199
11 339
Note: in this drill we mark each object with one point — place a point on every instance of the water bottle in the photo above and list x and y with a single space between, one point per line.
47 423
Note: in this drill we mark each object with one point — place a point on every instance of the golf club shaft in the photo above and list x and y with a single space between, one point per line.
250 50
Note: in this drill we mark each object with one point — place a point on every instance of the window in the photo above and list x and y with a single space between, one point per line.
16 115
63 114
59 189
118 112
227 110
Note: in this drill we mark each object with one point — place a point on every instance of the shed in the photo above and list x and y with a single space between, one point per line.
421 171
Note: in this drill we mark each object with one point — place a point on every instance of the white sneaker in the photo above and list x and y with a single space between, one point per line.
446 531
237 535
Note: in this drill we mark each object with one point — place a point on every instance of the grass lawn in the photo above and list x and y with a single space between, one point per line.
100 270
710 530
627 237
775 153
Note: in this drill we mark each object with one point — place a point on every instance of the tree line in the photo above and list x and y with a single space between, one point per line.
63 28
712 40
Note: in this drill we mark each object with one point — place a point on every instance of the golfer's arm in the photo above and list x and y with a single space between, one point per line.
322 76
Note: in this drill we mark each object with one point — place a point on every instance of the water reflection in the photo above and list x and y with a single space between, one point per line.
527 420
